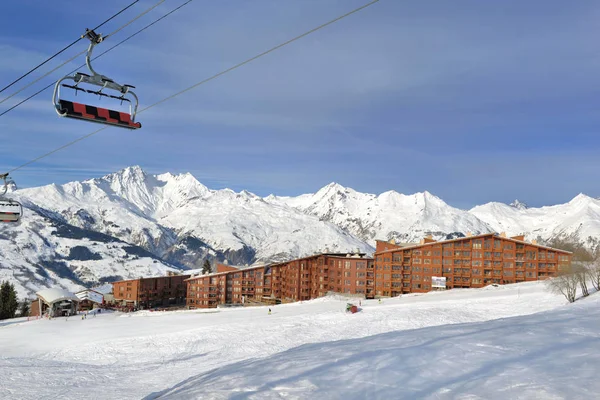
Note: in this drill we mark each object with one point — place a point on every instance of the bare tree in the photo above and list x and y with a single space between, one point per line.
593 270
565 283
581 273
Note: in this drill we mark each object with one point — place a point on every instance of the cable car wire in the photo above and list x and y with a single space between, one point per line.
202 82
64 49
79 54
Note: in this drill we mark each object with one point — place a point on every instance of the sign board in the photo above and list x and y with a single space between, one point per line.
438 282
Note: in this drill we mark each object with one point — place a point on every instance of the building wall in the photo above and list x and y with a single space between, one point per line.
127 291
301 279
152 292
34 308
207 291
467 262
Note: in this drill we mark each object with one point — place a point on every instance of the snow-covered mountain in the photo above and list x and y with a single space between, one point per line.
408 218
42 251
173 221
390 215
173 217
577 221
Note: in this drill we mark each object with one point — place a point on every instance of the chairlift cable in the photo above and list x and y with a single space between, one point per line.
133 20
264 53
64 49
98 56
203 81
79 54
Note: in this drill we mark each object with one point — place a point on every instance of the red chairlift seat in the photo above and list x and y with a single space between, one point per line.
105 116
65 108
6 216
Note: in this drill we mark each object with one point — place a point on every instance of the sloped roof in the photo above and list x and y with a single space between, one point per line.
89 294
54 294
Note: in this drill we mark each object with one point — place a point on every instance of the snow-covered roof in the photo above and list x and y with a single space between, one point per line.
54 294
89 294
104 289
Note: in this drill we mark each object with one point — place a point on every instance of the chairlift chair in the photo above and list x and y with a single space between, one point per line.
85 112
10 210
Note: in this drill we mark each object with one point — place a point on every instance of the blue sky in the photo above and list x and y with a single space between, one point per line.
473 101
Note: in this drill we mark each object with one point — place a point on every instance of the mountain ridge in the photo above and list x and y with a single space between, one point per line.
182 222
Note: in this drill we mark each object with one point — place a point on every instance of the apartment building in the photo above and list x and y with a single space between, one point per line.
151 292
468 262
300 279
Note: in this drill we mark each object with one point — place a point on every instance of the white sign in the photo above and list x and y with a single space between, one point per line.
438 282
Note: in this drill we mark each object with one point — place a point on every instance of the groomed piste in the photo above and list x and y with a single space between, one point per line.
514 341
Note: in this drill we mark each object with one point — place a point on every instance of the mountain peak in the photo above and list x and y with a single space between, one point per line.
519 205
580 198
334 186
134 172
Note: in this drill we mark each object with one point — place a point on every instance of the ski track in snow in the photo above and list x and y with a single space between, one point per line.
303 350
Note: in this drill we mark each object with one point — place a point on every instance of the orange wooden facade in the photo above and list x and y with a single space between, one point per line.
474 261
151 292
301 279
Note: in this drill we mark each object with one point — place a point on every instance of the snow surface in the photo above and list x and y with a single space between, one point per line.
54 294
33 256
464 343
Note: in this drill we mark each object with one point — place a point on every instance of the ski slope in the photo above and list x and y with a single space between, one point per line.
469 343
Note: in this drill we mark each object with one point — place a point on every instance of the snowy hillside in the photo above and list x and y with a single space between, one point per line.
179 219
494 343
43 252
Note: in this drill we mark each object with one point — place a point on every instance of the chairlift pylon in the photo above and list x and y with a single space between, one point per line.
10 210
70 109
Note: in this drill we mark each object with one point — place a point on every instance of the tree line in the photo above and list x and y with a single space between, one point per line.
9 302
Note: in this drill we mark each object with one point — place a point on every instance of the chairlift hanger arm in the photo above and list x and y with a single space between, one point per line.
91 113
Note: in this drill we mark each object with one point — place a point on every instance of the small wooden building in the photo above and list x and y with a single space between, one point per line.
89 299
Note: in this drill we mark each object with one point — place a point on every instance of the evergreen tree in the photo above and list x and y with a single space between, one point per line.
206 267
8 300
24 308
